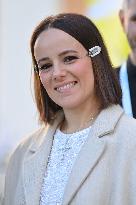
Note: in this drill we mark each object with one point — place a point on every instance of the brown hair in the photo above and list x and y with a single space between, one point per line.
82 29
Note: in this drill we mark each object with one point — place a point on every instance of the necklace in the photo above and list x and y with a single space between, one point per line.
88 122
72 141
67 146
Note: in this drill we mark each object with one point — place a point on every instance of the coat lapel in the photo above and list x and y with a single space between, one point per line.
36 162
92 151
36 158
87 160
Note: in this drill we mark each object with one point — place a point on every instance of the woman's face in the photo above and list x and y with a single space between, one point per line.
65 70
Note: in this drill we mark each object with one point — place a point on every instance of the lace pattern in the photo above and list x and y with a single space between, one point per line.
62 157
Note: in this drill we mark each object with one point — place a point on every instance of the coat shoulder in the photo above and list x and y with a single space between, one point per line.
28 139
126 129
15 162
23 146
128 123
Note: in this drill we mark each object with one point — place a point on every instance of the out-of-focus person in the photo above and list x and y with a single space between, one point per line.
127 71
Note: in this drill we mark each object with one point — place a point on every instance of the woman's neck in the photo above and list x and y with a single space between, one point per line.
78 119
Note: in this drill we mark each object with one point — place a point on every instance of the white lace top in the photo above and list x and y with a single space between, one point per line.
62 157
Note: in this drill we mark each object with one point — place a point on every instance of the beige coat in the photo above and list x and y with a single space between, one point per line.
103 174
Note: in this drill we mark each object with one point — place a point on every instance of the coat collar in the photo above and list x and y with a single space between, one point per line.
111 115
36 160
90 154
47 131
92 150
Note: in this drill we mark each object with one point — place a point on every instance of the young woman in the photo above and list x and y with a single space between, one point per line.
84 153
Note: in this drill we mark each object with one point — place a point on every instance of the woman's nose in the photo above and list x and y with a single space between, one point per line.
59 72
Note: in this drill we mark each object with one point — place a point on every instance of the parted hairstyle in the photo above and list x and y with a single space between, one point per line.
82 29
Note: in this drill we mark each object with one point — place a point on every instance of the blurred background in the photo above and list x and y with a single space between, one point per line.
18 115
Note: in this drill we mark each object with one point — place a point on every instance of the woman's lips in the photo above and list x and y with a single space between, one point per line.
65 86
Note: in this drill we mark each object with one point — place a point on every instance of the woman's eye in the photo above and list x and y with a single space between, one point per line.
45 67
70 59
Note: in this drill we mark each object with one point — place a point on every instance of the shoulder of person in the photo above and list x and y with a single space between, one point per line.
16 159
25 143
33 139
126 130
128 122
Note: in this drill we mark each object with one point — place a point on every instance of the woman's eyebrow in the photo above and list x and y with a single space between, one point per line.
43 59
60 54
67 51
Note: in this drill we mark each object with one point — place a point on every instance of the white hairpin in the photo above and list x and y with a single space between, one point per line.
94 51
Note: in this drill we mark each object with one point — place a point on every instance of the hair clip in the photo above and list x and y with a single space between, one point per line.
94 51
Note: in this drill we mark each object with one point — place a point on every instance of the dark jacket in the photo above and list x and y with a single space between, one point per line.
131 71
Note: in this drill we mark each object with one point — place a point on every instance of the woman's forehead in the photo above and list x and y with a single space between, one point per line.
57 40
